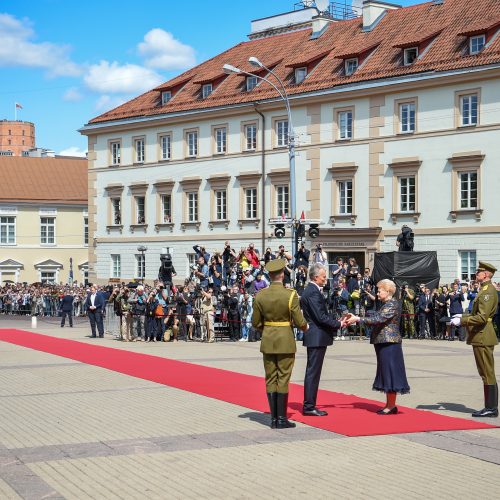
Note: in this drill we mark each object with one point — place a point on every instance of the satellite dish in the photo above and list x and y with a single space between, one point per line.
322 5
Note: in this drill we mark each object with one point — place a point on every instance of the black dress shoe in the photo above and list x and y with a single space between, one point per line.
385 411
314 413
486 413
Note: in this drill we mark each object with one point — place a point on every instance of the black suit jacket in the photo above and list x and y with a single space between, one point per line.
321 325
67 303
98 303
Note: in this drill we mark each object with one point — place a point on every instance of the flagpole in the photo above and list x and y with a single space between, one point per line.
15 111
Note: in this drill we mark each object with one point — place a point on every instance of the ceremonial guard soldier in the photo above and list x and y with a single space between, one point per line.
276 309
481 335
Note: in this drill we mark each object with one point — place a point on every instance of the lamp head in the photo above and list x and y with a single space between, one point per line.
255 62
229 68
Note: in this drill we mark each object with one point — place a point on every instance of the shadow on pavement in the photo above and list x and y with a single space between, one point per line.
260 418
448 407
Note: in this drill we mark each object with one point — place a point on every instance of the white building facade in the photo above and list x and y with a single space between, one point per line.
419 149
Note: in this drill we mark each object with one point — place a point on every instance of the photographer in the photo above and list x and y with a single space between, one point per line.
215 272
138 303
300 279
181 302
268 255
162 309
152 322
126 310
202 272
207 314
407 312
302 257
228 259
231 303
405 239
252 255
246 310
201 252
283 254
319 255
166 271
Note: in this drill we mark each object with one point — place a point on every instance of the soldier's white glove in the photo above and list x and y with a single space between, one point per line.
456 321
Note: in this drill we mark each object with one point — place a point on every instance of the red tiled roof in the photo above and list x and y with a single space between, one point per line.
307 59
448 52
482 27
44 180
418 40
358 51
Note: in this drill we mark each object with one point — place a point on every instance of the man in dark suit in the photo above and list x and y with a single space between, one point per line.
95 307
67 308
426 313
318 337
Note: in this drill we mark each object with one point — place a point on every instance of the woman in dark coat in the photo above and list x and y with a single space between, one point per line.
386 337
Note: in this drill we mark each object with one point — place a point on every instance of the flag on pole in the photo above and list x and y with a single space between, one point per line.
302 215
18 106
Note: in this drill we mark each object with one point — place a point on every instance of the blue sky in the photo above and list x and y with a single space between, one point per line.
66 61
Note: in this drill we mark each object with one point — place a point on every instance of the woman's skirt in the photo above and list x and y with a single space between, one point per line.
391 372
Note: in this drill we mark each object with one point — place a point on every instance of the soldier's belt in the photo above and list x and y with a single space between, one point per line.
277 323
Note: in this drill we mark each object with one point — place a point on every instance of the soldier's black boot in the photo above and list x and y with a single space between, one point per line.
282 405
272 397
490 402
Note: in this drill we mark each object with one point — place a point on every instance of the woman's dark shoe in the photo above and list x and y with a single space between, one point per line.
386 411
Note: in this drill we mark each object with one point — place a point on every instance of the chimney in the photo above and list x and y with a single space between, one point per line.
319 25
374 11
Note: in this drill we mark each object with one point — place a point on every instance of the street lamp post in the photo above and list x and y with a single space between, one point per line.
143 250
228 68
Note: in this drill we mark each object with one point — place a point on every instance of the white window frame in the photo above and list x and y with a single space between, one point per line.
192 143
466 197
8 237
140 266
140 209
166 96
345 124
407 193
251 206
115 150
116 210
45 279
140 150
476 44
282 131
300 74
45 227
350 66
250 138
251 82
165 147
466 272
346 198
220 204
407 55
467 116
282 200
192 259
206 90
220 140
192 206
166 208
116 265
406 124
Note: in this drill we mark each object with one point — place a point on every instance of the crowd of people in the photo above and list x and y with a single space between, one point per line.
217 298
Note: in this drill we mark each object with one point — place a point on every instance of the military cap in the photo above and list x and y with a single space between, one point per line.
275 265
484 266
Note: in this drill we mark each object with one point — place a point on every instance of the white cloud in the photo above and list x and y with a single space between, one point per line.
17 49
72 95
106 102
162 51
73 151
113 78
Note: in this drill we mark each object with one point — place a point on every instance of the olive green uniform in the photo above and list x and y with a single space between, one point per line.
275 309
480 332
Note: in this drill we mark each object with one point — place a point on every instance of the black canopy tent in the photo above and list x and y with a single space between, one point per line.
407 268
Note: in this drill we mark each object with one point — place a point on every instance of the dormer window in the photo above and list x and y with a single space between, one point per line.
166 96
300 75
251 83
351 65
476 44
410 55
206 90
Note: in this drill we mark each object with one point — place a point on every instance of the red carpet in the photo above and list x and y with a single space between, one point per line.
348 414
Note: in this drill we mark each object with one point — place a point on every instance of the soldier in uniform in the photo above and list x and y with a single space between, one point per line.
276 309
481 335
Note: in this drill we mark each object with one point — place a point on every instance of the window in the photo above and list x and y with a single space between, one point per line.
476 44
23 132
166 96
139 150
47 230
345 125
467 264
300 75
116 266
140 266
116 211
115 153
407 194
251 137
10 131
251 203
251 83
410 56
192 261
468 190
407 117
206 90
468 109
85 230
48 277
7 230
166 208
351 65
192 207
220 140
221 205
192 143
282 201
282 133
165 147
140 209
345 197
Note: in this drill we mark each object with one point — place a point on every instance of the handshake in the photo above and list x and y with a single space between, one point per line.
348 320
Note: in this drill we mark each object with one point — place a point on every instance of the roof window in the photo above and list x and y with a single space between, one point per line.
350 66
166 96
206 90
476 44
251 83
300 75
410 55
